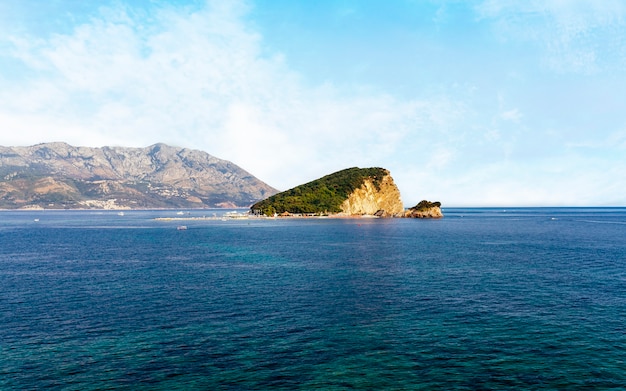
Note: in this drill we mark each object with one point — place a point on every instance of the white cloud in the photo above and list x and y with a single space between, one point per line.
617 139
581 36
440 158
511 115
199 79
559 181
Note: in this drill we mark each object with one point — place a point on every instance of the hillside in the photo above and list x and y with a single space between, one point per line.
58 175
352 191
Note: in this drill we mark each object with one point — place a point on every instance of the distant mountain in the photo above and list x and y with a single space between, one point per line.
59 176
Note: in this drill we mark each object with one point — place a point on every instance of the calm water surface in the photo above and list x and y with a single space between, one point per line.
482 299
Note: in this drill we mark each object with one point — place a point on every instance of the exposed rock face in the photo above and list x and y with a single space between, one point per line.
58 175
425 210
382 200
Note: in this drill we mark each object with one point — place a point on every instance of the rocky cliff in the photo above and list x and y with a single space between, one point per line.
382 199
353 191
425 210
58 175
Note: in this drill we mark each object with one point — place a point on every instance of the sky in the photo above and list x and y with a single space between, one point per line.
470 103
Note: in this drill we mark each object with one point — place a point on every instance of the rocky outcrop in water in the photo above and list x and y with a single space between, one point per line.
425 210
58 175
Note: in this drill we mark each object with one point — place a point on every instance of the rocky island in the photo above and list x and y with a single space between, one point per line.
350 192
425 210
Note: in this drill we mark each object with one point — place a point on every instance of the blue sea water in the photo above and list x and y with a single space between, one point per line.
528 298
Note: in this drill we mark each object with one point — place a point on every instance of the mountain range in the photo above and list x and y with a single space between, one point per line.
60 176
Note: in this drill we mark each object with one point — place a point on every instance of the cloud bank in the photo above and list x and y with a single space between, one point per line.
201 77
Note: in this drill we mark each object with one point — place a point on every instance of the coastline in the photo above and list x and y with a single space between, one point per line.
262 217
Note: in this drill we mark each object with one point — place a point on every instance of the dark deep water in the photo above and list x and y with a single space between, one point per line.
482 299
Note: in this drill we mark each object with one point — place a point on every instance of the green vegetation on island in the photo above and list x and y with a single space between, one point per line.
324 195
425 205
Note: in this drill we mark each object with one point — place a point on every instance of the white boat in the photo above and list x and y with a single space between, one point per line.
235 215
182 228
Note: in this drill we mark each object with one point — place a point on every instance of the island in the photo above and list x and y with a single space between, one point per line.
350 192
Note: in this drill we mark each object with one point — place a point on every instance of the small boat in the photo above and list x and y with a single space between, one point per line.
181 227
120 213
235 215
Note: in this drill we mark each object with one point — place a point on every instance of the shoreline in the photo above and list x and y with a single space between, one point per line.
256 217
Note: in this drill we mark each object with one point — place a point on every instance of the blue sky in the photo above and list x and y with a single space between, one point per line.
471 103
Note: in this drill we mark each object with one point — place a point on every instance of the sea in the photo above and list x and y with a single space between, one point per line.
483 299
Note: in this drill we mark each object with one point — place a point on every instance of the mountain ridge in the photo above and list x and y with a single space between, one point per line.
58 175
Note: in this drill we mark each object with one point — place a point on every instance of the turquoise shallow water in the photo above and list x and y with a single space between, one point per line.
482 299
